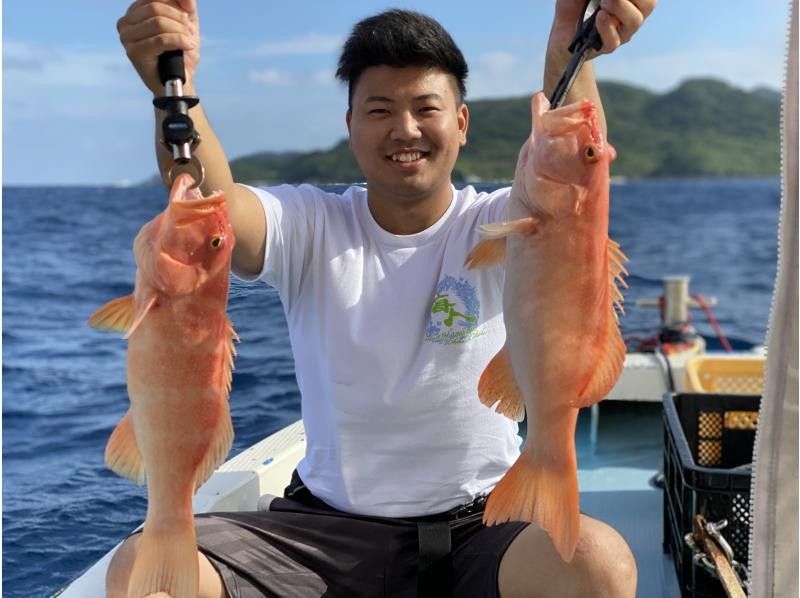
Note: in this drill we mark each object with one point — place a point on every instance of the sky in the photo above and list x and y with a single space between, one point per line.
75 112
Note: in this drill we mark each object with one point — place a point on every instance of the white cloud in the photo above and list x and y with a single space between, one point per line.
660 72
324 77
499 63
272 77
312 43
504 74
36 65
500 74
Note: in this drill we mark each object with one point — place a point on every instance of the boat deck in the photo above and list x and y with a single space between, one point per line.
614 478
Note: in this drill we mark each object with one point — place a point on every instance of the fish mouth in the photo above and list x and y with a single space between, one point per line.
184 192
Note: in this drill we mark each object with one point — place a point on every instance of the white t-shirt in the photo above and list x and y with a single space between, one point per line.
390 334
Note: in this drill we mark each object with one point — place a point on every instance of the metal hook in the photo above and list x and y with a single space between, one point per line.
198 175
713 531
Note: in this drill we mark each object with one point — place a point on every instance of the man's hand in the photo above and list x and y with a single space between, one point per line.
151 27
617 21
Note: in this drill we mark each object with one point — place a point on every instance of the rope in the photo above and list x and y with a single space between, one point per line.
714 324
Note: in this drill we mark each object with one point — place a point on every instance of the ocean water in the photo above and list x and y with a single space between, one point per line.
68 250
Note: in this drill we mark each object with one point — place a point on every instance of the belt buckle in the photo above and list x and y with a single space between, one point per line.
470 509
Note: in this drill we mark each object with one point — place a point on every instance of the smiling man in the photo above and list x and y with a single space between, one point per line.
390 334
406 126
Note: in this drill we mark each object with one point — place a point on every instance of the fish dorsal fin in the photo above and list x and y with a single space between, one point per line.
223 437
498 386
122 452
611 349
492 250
219 448
230 353
114 316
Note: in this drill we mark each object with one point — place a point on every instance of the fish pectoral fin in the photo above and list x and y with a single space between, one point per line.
611 349
141 315
497 386
120 315
547 497
114 316
487 253
122 453
521 226
492 250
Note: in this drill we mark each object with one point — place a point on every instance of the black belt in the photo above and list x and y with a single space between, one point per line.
435 558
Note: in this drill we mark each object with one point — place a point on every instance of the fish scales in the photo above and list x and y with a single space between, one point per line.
179 363
563 346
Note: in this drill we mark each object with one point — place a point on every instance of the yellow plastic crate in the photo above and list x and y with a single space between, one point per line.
726 375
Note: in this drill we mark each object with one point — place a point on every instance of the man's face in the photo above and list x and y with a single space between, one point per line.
406 128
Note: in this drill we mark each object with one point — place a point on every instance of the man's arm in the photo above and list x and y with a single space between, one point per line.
617 21
149 28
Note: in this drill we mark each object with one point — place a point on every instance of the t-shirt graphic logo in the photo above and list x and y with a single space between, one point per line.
454 312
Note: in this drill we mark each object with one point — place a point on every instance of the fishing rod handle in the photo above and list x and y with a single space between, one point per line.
170 66
179 134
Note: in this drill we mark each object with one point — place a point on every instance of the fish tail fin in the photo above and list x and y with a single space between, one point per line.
497 385
166 561
545 496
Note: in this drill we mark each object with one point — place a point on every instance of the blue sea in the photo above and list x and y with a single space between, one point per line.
68 250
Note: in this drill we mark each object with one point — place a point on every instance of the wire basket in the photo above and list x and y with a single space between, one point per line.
708 450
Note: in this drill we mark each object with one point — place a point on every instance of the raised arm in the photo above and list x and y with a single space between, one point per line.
617 21
147 29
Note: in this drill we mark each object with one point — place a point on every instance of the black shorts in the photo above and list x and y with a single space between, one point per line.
301 547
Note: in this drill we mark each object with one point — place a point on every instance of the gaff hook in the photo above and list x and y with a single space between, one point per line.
178 134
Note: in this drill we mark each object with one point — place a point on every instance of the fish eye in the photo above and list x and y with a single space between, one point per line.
590 153
216 242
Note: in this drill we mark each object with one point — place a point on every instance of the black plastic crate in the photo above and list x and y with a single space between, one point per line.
708 449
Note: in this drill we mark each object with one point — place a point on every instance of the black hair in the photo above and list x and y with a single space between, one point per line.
400 38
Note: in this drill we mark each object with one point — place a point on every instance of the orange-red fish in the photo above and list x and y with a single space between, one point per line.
180 357
563 347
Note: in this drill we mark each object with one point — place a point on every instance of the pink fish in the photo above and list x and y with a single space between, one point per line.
563 347
180 357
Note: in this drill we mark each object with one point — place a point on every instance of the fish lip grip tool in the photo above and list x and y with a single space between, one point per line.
586 39
178 134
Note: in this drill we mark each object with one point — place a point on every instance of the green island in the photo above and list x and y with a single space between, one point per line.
703 127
